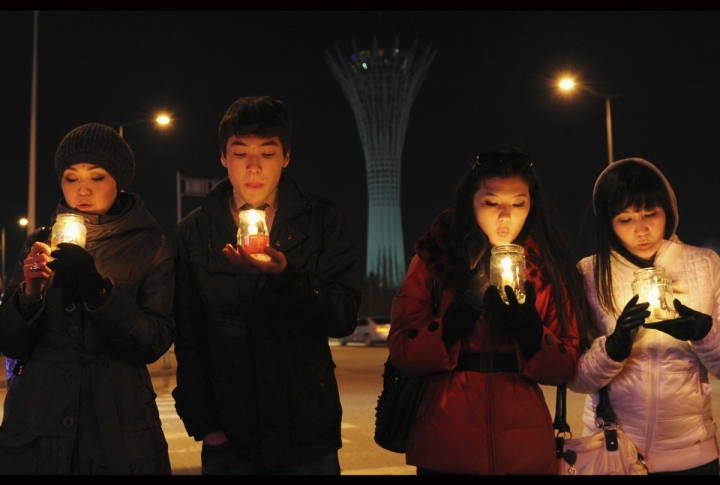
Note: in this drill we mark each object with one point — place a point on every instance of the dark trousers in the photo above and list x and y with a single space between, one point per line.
229 459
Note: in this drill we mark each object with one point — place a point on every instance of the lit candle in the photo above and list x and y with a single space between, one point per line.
507 275
253 233
68 228
653 297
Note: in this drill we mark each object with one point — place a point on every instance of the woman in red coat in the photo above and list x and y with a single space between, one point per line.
483 411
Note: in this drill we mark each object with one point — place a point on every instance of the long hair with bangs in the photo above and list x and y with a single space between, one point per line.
629 185
472 243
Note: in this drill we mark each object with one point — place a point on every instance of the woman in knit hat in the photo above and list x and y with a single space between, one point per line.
83 323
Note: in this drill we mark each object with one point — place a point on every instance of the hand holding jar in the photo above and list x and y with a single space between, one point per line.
36 271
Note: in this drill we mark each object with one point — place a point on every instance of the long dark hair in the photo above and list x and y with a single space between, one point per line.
472 243
626 184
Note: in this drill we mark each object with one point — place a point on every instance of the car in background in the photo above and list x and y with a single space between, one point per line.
369 331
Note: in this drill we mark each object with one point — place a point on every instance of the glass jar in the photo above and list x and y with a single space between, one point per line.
653 286
507 268
253 234
68 228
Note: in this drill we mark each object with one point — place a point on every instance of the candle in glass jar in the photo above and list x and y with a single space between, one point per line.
68 228
507 268
654 287
253 234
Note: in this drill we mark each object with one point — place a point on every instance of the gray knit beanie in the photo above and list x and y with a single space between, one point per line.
100 145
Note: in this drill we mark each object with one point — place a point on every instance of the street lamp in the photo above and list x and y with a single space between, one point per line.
568 85
161 119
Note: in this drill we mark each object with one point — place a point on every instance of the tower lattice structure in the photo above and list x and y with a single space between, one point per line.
381 85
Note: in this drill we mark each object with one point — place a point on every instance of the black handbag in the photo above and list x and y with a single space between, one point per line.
399 400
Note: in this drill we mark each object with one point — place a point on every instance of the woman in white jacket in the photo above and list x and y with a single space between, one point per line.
657 373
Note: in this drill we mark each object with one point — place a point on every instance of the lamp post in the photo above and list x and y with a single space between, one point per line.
568 84
161 119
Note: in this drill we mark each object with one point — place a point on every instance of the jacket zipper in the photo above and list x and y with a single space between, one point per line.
654 377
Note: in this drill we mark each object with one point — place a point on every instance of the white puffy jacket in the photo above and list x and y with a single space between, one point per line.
660 394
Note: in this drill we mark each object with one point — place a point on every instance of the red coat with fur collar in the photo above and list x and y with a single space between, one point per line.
472 422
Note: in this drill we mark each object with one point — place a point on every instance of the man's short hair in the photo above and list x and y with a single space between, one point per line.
262 116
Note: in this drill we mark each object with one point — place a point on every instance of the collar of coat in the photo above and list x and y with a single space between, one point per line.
291 199
127 215
448 267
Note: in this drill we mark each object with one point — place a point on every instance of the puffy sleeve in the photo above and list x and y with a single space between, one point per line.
415 339
140 327
194 394
708 348
595 367
20 321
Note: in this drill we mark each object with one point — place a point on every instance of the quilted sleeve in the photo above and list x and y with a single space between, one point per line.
415 340
708 349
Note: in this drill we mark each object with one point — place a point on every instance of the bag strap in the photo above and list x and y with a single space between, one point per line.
605 419
560 422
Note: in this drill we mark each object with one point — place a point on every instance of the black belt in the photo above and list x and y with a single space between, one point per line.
487 362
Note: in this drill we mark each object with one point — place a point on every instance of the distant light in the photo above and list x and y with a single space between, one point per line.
162 120
364 65
567 84
23 222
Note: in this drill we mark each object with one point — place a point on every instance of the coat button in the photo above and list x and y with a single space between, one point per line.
413 333
70 376
73 331
69 422
549 339
277 243
433 326
70 309
561 348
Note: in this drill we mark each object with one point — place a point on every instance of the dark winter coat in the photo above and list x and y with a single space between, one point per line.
472 422
252 350
85 384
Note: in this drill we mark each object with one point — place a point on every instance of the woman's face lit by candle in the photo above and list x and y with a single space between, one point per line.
88 188
641 231
501 207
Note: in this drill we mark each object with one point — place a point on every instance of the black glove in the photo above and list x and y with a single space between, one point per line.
691 325
475 287
69 291
619 343
459 319
74 266
521 320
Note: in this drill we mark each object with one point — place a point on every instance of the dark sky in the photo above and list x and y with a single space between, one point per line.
490 87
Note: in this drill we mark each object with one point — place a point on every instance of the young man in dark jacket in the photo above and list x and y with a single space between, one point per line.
256 380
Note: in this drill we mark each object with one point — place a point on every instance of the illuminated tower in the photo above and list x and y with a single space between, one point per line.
381 86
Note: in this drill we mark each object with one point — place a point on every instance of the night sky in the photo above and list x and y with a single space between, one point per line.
490 87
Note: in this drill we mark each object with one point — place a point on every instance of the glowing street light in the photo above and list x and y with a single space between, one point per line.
568 84
161 119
